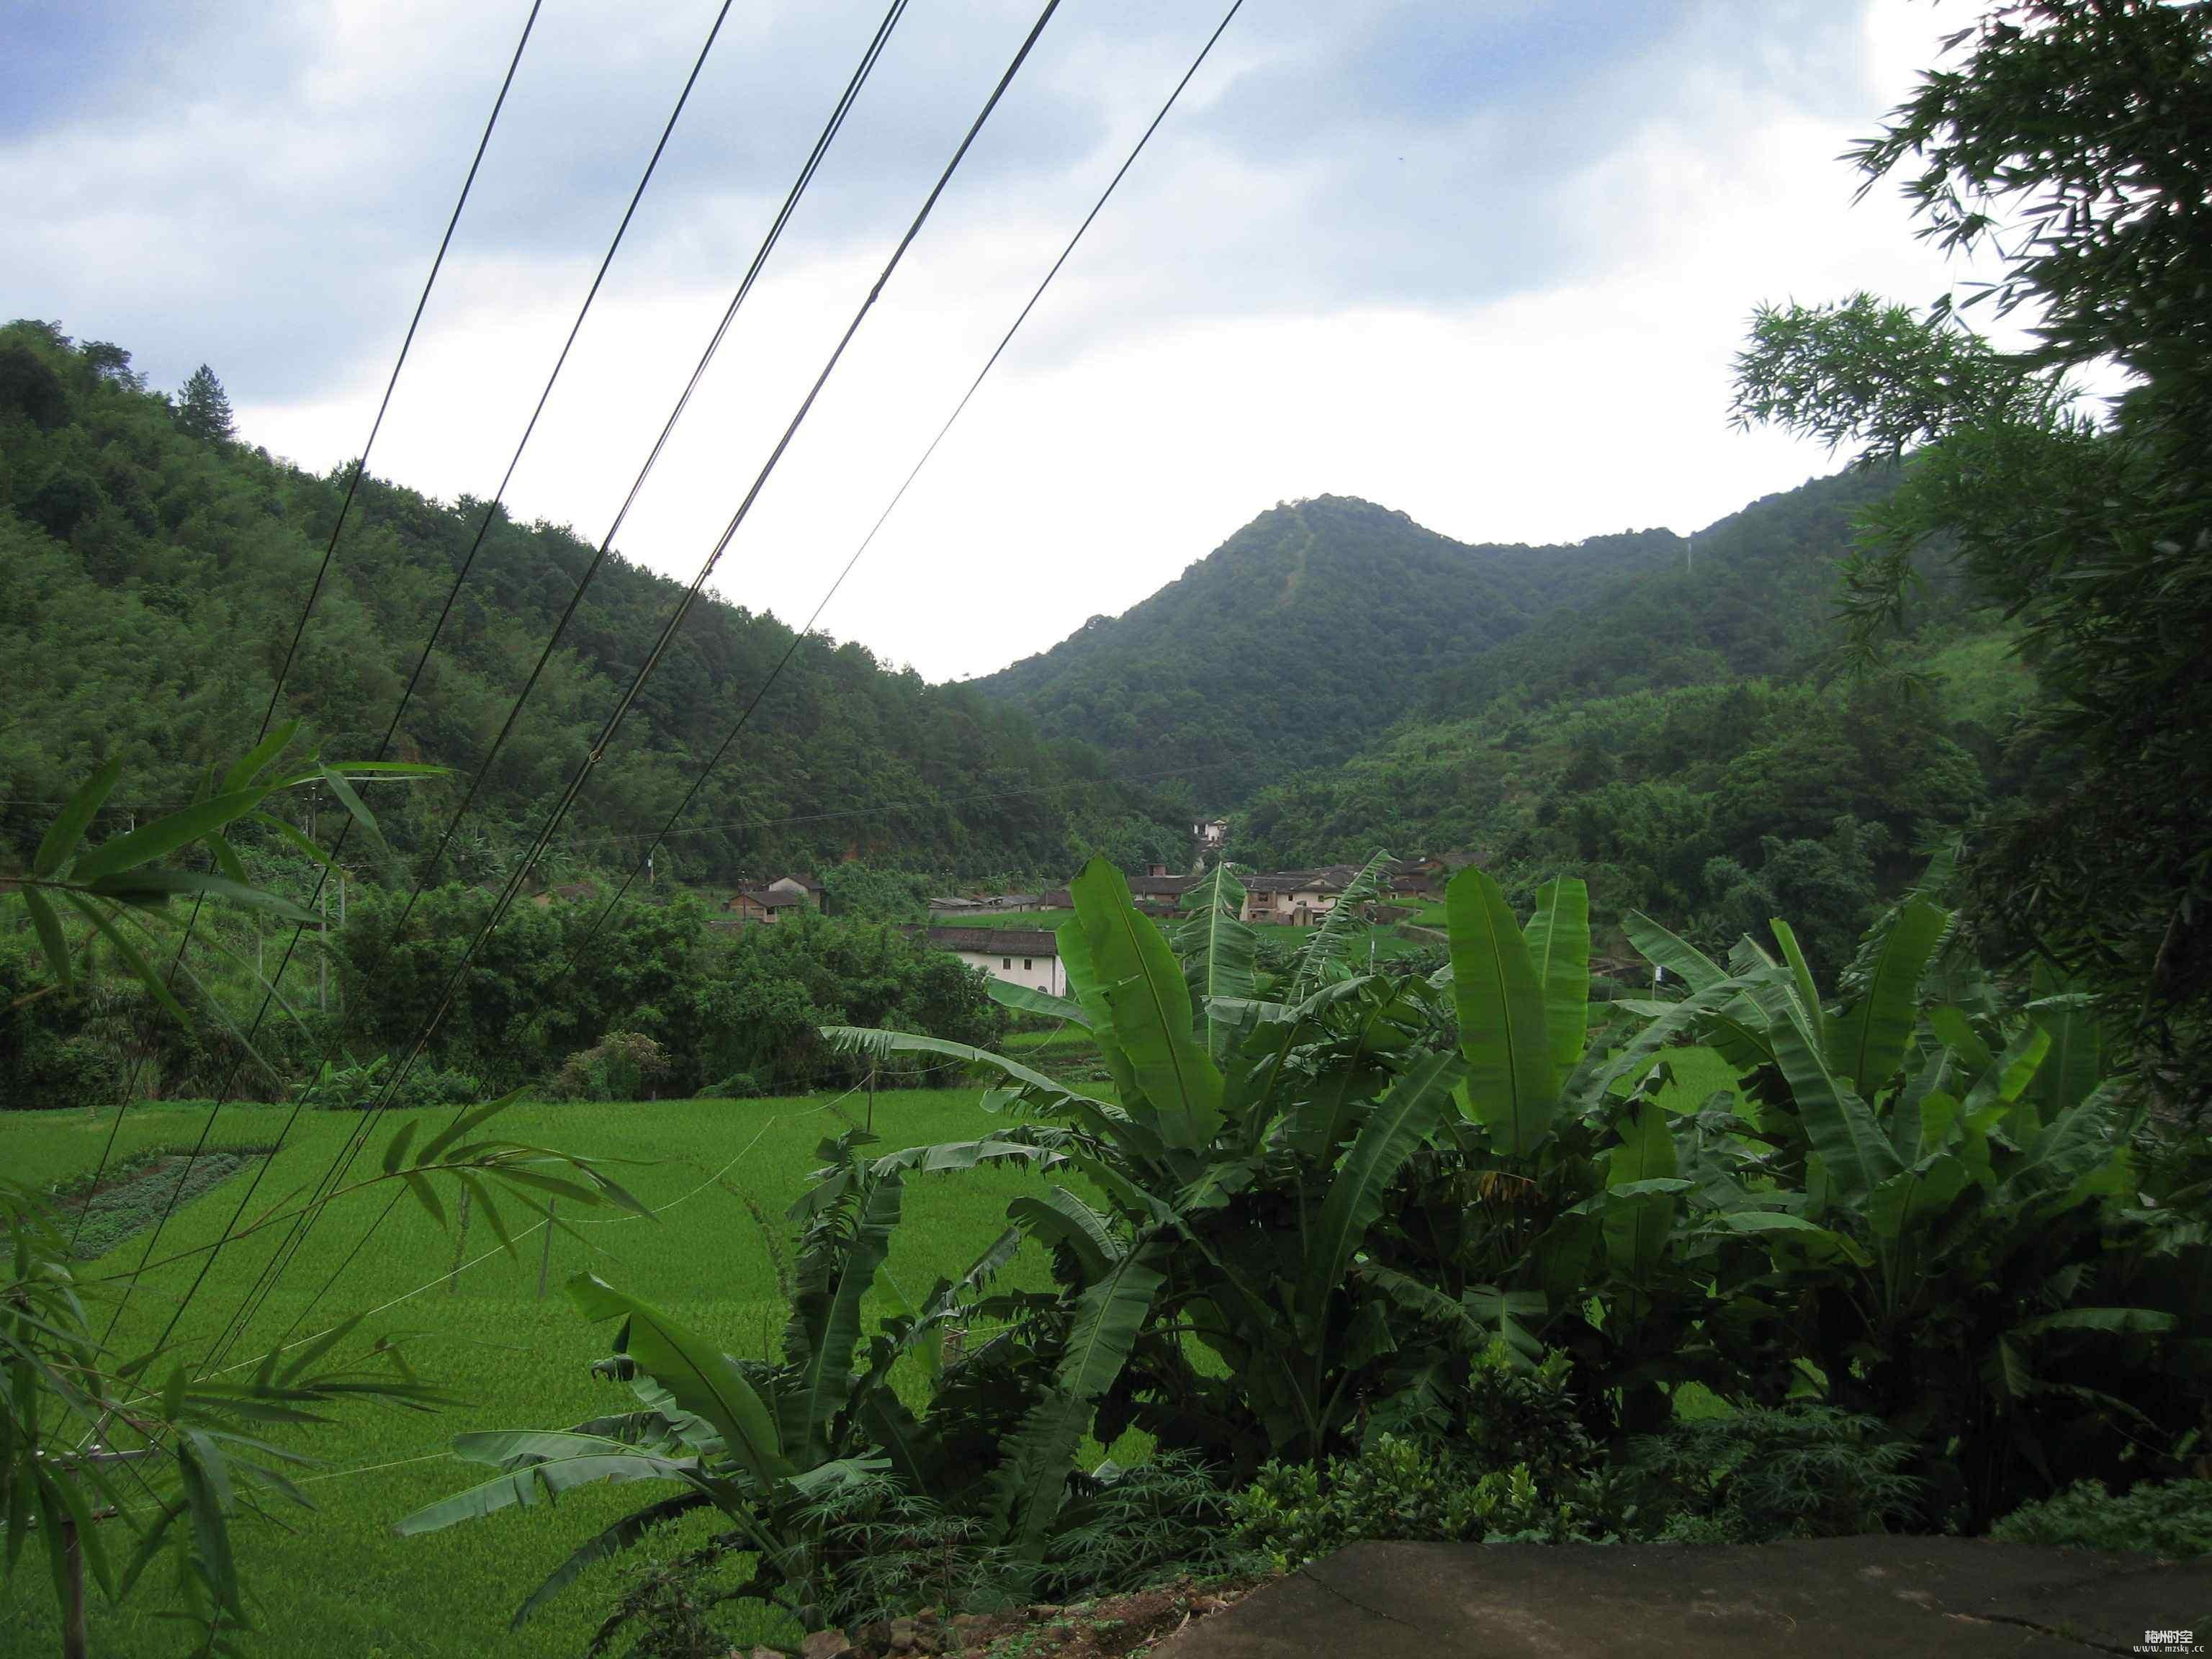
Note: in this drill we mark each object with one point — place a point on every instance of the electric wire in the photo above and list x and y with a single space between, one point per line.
898 496
822 143
675 621
315 592
453 590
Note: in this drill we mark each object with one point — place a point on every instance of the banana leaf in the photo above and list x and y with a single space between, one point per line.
703 1379
1510 1086
1394 1130
1558 938
1149 1003
1867 1044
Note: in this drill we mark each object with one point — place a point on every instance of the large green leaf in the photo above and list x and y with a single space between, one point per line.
1394 1130
1558 936
1087 987
2000 1087
47 924
605 1463
1511 1091
1327 943
1149 1003
75 818
1032 1478
1637 1223
1665 949
1057 1216
856 1039
1839 1126
1218 947
836 1267
2071 1070
1808 992
166 834
1867 1044
703 1380
1025 999
623 1533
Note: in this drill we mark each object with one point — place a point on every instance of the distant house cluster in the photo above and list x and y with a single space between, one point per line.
1297 898
1031 957
770 901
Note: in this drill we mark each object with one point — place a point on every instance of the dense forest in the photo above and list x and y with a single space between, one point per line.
151 570
1351 606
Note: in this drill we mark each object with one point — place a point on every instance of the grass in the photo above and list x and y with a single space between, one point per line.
340 1582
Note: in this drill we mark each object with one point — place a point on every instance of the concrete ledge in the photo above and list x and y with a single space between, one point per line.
1840 1598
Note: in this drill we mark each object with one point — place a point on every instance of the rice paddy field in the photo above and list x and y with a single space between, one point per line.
338 1583
336 1580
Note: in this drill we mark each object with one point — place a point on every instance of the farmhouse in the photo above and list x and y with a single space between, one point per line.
768 902
1156 892
1019 956
1295 897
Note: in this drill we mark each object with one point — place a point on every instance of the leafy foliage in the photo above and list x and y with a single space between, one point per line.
2173 1519
140 552
2078 134
1760 1475
1384 1240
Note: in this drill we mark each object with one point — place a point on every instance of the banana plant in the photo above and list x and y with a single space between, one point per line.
1939 1211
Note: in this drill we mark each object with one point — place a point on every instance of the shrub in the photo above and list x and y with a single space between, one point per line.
1526 1470
2173 1519
623 1067
360 1088
1790 1473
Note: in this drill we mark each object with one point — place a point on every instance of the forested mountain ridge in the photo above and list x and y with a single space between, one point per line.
1315 627
1680 738
151 579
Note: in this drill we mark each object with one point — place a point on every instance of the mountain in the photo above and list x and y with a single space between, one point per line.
1677 737
1298 639
150 580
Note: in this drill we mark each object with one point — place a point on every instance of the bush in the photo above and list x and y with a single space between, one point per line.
623 1067
1760 1475
358 1088
1525 1472
2172 1520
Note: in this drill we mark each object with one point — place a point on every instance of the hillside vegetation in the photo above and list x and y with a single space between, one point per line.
150 580
1298 639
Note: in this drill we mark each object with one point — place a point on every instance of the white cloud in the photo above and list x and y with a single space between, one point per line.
1521 329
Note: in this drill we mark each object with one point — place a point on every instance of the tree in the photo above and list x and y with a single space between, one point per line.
2082 135
203 408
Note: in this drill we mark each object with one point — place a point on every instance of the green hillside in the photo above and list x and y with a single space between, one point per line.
1310 630
150 581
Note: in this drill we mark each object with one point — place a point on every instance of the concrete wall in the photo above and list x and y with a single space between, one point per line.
1038 972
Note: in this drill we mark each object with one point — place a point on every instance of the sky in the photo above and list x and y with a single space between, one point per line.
1487 263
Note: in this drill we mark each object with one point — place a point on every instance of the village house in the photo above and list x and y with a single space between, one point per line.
770 901
1158 893
1018 955
1211 833
1294 897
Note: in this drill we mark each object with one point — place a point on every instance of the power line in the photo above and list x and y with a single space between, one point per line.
838 112
804 631
460 578
675 621
314 593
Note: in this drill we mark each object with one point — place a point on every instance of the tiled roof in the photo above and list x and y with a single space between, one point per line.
995 941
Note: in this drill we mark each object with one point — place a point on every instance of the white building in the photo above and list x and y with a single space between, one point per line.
1019 956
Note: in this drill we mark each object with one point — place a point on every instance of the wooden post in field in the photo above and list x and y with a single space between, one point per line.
76 1643
871 1098
545 1251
